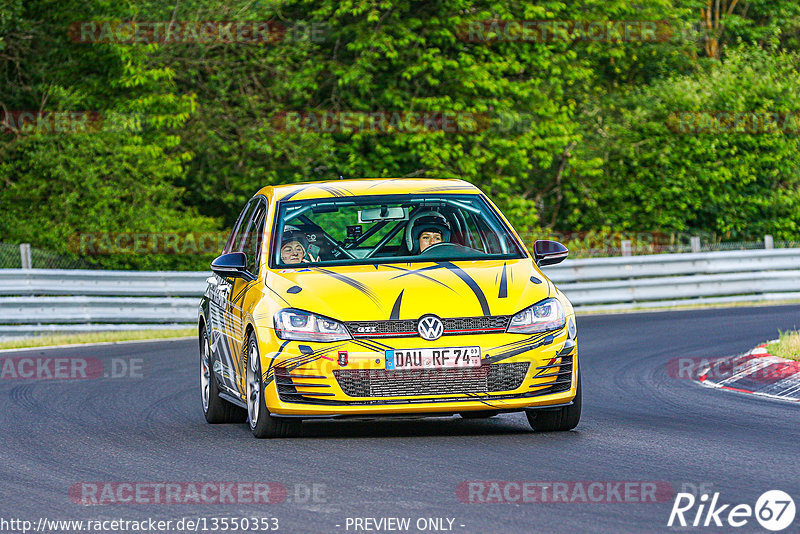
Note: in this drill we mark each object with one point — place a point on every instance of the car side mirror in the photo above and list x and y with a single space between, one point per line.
232 265
549 252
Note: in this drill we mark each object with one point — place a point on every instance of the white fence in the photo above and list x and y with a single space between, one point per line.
36 300
42 300
662 280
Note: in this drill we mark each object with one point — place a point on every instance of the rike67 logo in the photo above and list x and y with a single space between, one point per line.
774 510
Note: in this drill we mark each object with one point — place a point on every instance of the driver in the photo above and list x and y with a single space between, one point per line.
429 229
294 245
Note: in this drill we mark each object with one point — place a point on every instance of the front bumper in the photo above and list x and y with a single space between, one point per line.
517 372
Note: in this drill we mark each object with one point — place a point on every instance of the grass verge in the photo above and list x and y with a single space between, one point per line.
47 340
787 346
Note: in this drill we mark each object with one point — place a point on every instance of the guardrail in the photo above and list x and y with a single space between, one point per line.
43 300
40 300
663 280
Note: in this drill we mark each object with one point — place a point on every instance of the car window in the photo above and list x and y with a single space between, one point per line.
390 228
253 237
235 238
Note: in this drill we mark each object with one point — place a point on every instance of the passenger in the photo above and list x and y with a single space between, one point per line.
294 246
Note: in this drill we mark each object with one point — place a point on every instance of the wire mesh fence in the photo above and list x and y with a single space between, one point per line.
601 246
22 256
11 256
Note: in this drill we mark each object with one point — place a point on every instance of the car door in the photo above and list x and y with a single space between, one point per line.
224 326
240 297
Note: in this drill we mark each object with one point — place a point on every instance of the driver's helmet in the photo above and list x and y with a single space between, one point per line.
428 221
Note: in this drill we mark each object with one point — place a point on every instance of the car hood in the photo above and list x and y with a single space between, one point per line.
410 290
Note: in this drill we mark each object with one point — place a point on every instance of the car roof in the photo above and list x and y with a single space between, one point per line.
366 186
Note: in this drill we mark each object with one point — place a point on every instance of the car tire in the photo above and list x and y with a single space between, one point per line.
262 425
216 409
561 419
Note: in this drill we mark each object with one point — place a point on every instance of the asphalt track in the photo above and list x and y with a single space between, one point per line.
639 424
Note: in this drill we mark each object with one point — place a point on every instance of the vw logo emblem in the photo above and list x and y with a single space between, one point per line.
430 327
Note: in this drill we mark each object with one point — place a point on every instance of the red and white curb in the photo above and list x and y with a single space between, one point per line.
757 372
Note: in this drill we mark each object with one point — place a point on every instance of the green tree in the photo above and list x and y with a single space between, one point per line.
118 175
669 168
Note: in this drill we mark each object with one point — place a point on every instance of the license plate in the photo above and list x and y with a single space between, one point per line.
428 358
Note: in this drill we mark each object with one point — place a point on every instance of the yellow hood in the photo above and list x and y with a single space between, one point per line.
410 290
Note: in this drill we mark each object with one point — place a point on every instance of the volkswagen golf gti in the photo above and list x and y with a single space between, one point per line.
375 298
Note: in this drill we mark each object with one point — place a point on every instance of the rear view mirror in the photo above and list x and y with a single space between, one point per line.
549 252
384 213
232 265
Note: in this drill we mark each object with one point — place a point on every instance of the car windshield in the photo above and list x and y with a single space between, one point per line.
388 229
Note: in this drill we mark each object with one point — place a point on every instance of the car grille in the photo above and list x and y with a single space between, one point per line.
296 388
408 327
382 383
562 372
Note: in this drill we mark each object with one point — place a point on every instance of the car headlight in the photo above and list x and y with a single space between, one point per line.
301 325
541 317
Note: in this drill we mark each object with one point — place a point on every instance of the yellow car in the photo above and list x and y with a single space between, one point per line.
384 297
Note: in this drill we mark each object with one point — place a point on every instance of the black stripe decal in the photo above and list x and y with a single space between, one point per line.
519 350
395 316
418 272
533 338
458 271
241 292
451 188
336 191
302 363
371 344
352 283
278 295
415 271
326 350
376 184
293 193
569 346
332 190
269 376
503 293
308 357
475 396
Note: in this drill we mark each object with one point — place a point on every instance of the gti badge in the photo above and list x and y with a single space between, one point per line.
342 358
430 327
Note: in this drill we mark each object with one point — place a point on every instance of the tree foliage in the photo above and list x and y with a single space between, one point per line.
713 154
197 127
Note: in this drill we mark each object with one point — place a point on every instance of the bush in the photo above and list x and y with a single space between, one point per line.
669 167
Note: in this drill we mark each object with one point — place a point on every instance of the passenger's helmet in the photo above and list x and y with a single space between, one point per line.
425 221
